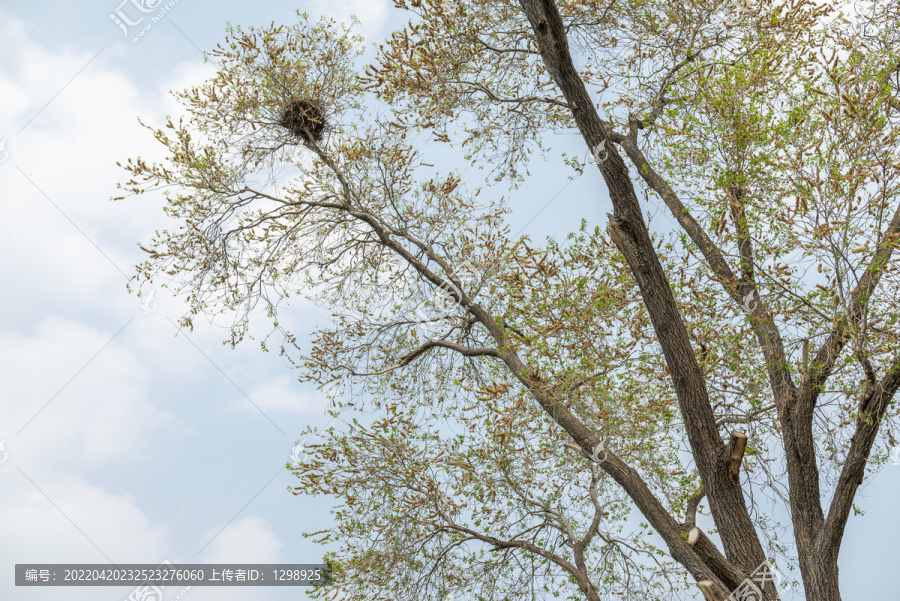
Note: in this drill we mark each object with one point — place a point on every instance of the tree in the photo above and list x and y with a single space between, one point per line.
551 419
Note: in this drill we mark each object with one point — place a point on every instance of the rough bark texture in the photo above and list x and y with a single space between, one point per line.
818 538
629 232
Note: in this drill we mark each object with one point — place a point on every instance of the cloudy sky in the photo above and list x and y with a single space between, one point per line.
124 442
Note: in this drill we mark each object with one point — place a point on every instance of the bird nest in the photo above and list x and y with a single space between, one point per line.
305 119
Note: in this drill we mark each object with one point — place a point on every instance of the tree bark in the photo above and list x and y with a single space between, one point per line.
629 232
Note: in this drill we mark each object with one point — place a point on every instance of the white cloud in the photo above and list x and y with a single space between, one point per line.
372 14
61 169
66 302
249 539
282 394
46 528
57 518
101 416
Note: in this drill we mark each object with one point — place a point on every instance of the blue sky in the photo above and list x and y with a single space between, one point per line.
125 442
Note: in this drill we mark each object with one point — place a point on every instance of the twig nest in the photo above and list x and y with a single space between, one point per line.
305 119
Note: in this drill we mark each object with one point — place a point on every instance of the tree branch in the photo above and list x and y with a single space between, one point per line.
742 291
410 357
690 516
840 334
736 451
879 398
629 232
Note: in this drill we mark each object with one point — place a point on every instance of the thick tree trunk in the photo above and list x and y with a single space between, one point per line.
629 232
